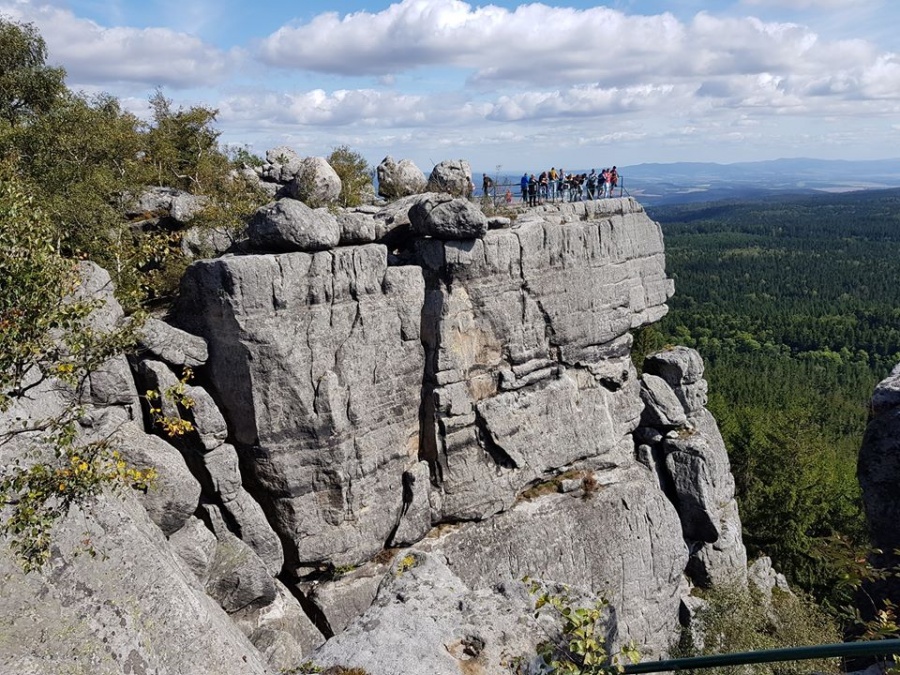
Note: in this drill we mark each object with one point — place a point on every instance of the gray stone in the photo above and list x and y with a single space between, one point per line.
661 407
167 343
205 417
426 620
342 600
290 225
210 242
764 577
195 545
238 578
111 384
316 360
224 474
132 608
250 524
356 227
399 179
414 518
677 366
177 204
281 631
622 542
315 182
887 393
393 218
442 217
528 328
451 176
174 494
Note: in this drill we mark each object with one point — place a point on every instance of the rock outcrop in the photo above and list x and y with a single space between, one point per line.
680 440
878 471
404 376
399 179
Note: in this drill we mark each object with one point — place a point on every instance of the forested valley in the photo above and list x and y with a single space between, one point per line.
794 304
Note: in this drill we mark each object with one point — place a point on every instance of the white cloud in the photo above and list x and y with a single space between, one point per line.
93 54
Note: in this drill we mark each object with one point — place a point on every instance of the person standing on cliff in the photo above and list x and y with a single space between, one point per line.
524 185
532 190
613 180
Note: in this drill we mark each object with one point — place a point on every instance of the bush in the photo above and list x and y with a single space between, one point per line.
737 619
355 174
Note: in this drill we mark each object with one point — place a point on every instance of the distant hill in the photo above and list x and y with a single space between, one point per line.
681 182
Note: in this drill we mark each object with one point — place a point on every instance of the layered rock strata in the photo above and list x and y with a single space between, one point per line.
416 375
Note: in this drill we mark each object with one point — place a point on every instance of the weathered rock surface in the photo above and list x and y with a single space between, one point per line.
451 176
176 204
684 445
528 366
317 363
132 608
175 347
464 391
443 217
621 541
315 182
290 225
399 179
878 471
426 620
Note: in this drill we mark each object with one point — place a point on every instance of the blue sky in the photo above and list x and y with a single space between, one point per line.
519 85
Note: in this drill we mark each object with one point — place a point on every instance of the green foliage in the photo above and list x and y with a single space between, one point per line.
44 334
736 619
793 305
28 87
42 329
41 494
355 174
580 648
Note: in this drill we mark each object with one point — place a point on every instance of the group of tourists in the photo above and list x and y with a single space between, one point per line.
556 185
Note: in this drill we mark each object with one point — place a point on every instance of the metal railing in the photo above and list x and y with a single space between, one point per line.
841 649
496 194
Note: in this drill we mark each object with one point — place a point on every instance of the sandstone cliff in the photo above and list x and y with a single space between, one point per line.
472 398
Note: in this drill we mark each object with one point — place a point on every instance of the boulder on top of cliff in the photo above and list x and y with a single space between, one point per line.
677 366
315 182
290 225
442 217
166 202
282 164
451 176
399 179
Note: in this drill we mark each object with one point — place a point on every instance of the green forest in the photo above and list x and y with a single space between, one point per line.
794 304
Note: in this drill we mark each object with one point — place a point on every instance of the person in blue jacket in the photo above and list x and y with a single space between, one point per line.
524 185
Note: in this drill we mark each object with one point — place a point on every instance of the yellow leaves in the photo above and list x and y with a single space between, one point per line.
172 425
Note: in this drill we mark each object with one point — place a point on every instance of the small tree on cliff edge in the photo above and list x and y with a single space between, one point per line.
355 174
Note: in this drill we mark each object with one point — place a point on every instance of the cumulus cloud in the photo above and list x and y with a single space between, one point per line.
93 54
540 46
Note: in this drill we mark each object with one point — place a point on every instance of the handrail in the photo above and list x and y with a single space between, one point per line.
840 649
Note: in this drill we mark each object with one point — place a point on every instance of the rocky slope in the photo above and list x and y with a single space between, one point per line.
422 380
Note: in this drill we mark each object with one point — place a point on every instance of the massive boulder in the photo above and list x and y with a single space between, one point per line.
443 217
399 179
528 366
291 225
451 176
317 362
315 182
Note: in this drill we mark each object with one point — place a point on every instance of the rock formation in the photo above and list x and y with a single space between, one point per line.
878 470
399 179
402 376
